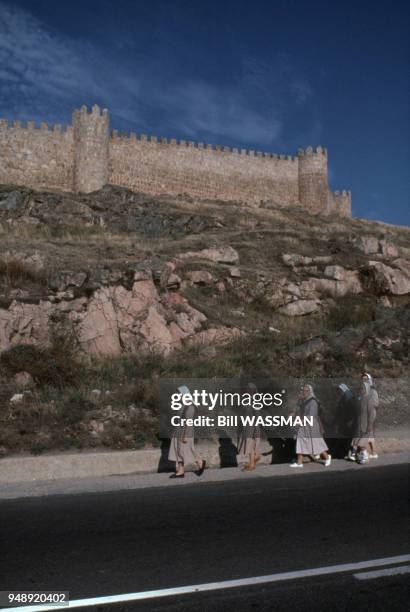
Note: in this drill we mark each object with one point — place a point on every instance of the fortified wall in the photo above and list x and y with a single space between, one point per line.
84 157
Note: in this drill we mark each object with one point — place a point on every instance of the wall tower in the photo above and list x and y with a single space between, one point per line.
91 136
313 185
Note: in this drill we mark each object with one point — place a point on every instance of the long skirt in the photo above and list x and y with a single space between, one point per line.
182 452
309 442
363 440
248 445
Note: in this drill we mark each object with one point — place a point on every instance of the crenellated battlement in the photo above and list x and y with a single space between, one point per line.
310 152
95 111
340 202
86 155
54 128
117 136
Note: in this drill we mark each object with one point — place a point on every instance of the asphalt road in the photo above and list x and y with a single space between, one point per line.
107 543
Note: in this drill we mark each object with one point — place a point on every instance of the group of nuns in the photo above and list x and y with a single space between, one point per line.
310 442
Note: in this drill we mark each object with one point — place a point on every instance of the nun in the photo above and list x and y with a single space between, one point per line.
309 438
182 447
249 438
369 401
346 421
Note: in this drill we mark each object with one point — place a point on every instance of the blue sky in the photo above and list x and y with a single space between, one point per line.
270 75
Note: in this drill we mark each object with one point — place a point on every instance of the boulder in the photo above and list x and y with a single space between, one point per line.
173 281
300 308
384 280
351 284
200 277
313 287
235 272
322 259
221 254
333 288
403 265
216 335
293 289
307 349
187 325
23 379
294 259
17 398
368 244
388 249
24 323
98 331
335 272
156 333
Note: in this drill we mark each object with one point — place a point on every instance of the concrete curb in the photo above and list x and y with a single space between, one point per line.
137 482
115 463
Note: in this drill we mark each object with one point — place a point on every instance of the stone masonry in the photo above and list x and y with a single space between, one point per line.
85 156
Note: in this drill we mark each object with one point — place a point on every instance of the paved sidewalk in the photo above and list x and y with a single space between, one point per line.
75 486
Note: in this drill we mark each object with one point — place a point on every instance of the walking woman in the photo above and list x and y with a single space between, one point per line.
369 401
249 438
309 439
182 448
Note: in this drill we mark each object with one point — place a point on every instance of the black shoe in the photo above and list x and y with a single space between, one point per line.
201 469
177 476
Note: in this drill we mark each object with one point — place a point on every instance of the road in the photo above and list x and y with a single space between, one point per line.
124 542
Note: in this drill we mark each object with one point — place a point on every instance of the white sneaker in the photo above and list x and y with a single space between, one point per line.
351 456
373 456
328 461
296 465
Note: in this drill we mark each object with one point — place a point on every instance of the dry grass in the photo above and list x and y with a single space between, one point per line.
351 311
16 272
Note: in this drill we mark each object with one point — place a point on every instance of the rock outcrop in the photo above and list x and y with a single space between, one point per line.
133 298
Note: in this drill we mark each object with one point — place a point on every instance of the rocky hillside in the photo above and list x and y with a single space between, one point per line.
101 294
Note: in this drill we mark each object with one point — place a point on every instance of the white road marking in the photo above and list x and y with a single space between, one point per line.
214 586
391 571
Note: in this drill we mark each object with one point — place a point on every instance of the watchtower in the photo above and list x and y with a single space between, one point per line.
91 136
313 184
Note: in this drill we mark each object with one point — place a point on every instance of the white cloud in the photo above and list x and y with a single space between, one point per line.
203 108
45 74
52 70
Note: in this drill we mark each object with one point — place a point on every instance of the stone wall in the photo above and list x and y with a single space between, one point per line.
36 157
84 158
340 202
204 172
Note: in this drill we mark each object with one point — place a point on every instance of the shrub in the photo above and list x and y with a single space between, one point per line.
75 407
48 366
350 312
